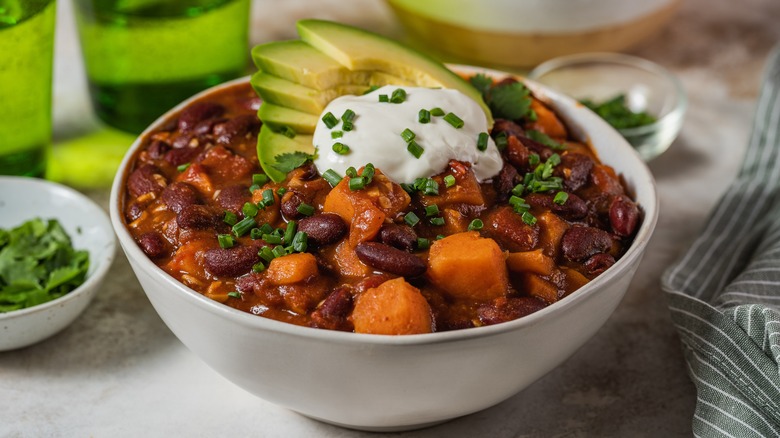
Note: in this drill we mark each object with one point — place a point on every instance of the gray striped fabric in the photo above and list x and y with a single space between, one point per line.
724 293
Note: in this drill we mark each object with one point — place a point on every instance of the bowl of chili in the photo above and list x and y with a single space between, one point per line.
357 380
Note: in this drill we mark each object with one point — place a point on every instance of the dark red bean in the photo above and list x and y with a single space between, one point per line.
574 169
370 282
182 141
323 229
290 203
398 236
133 212
517 154
579 242
196 217
623 216
146 179
534 146
153 245
236 127
250 284
505 309
508 228
333 311
573 209
233 198
196 113
393 260
158 149
179 156
505 182
510 128
230 262
179 195
599 263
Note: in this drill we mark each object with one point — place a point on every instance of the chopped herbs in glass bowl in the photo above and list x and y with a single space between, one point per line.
643 101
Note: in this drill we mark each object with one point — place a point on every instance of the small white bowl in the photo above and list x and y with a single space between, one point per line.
22 199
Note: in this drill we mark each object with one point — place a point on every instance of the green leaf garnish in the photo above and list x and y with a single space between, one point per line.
541 137
510 101
291 160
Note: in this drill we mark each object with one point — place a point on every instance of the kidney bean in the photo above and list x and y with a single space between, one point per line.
236 127
133 212
505 309
198 112
509 127
323 229
508 228
206 127
290 203
534 146
505 182
599 263
333 311
179 156
574 208
517 154
623 216
581 242
196 217
574 169
178 195
250 283
398 236
158 149
146 179
393 260
233 198
153 245
230 262
370 282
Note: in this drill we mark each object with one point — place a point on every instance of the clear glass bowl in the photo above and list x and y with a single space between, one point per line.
647 86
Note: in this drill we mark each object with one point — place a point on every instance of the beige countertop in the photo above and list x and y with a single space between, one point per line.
118 370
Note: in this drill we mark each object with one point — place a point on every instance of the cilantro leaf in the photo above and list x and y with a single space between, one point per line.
288 161
510 101
482 83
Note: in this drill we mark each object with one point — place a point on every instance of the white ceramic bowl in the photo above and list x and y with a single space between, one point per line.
377 382
22 199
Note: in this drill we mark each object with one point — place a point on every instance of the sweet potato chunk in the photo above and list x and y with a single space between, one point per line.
540 288
292 268
546 121
466 265
551 230
573 280
395 307
530 261
348 262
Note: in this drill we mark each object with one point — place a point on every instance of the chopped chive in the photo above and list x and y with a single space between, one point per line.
268 197
423 243
411 219
432 210
438 112
336 134
234 294
501 141
266 229
357 183
255 233
287 132
482 141
266 254
453 120
305 209
561 198
340 148
259 178
273 239
408 135
424 116
183 167
398 96
555 159
289 232
533 159
225 241
438 221
249 209
331 177
476 224
431 187
371 89
415 149
518 204
449 181
528 218
347 126
408 188
258 267
279 251
244 226
254 187
230 218
348 115
281 191
330 120
368 173
384 98
439 236
300 242
351 172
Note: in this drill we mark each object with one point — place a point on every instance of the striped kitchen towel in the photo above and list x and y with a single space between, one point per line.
724 293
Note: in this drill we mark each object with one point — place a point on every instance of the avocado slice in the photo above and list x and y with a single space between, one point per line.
270 144
295 96
278 117
358 49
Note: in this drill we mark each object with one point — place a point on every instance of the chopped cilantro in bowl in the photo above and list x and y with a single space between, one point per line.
38 264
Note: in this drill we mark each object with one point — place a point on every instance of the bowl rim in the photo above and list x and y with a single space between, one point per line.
681 97
141 261
101 264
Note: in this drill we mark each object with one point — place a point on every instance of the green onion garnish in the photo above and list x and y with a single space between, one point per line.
259 178
501 141
225 241
432 210
183 167
287 132
347 126
528 218
408 135
266 254
439 236
555 159
279 251
561 198
305 209
258 267
533 159
384 98
368 173
357 183
331 177
266 229
453 120
415 149
449 181
336 134
423 243
424 116
249 209
438 112
348 115
273 239
482 141
268 197
256 233
398 96
438 221
230 218
254 187
411 219
330 120
300 242
234 294
281 191
351 172
340 148
476 224
244 226
289 232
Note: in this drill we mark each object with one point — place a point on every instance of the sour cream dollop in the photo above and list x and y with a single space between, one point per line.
377 127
